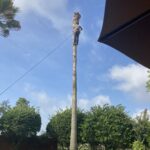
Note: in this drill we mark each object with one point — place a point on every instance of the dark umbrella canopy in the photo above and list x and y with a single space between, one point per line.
126 27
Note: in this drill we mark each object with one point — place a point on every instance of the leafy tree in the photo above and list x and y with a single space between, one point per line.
4 106
109 126
22 102
148 82
21 120
60 125
142 128
90 127
137 145
7 15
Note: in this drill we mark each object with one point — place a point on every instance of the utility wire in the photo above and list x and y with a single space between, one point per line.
35 65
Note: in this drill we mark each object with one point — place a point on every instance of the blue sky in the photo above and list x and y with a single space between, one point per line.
104 74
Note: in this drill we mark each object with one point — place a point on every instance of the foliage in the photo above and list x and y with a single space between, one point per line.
21 120
109 126
148 82
4 106
142 128
7 15
137 145
22 102
59 126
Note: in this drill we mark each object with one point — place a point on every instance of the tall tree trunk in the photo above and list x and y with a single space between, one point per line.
76 32
73 139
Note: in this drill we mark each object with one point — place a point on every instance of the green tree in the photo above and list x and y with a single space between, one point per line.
7 15
142 128
4 107
137 145
59 127
21 120
108 126
22 102
148 82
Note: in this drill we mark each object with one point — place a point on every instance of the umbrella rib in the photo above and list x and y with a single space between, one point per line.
125 26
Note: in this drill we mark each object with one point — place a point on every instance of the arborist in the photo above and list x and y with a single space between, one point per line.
76 28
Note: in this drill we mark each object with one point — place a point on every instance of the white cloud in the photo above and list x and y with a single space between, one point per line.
98 100
139 112
49 105
131 79
54 10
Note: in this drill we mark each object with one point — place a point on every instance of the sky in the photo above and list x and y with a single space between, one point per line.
104 75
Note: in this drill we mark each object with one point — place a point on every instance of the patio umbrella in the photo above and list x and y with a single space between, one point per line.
126 27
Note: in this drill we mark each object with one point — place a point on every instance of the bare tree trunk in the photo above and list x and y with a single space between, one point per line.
76 32
73 139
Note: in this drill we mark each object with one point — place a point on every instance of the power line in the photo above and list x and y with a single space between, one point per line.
34 66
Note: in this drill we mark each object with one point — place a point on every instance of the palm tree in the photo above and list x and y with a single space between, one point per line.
76 32
7 15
